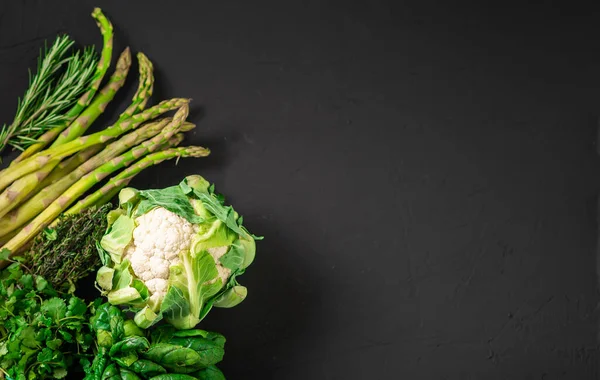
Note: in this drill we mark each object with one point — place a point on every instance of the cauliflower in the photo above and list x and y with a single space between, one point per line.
158 238
174 253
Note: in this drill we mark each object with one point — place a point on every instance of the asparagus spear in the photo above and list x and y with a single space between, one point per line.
67 166
106 29
100 102
103 198
145 87
90 179
22 187
146 82
112 187
29 209
29 165
171 143
144 91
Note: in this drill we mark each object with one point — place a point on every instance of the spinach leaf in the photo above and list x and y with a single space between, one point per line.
209 373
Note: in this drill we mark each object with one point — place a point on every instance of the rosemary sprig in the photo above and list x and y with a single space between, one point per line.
57 85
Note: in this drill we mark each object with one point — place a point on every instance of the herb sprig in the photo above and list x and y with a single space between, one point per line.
56 87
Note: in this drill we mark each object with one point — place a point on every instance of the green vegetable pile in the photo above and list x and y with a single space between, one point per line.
41 331
99 280
127 351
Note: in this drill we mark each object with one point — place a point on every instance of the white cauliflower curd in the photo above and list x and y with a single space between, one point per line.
158 238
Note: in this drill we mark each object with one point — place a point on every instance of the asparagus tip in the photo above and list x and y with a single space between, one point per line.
124 60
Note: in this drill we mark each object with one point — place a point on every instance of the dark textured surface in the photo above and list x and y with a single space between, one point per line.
425 177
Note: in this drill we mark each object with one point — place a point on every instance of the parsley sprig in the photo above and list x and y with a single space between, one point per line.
42 333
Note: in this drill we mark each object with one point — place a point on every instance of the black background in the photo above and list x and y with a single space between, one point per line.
425 174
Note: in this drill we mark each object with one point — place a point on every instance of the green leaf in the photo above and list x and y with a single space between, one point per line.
66 336
128 375
104 338
59 373
111 372
215 337
55 308
122 277
27 337
209 373
147 368
232 297
142 289
118 237
131 329
44 333
50 233
235 256
41 284
45 355
226 214
112 216
174 358
84 339
54 344
173 376
146 317
125 360
171 198
189 286
104 277
162 333
76 307
4 254
104 256
209 352
124 296
26 281
219 339
190 333
132 343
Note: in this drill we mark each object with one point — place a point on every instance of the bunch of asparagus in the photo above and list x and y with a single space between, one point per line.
54 175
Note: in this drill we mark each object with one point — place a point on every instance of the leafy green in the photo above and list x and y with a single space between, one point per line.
147 368
4 254
118 237
37 327
190 284
171 198
209 352
163 351
209 373
232 297
235 257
